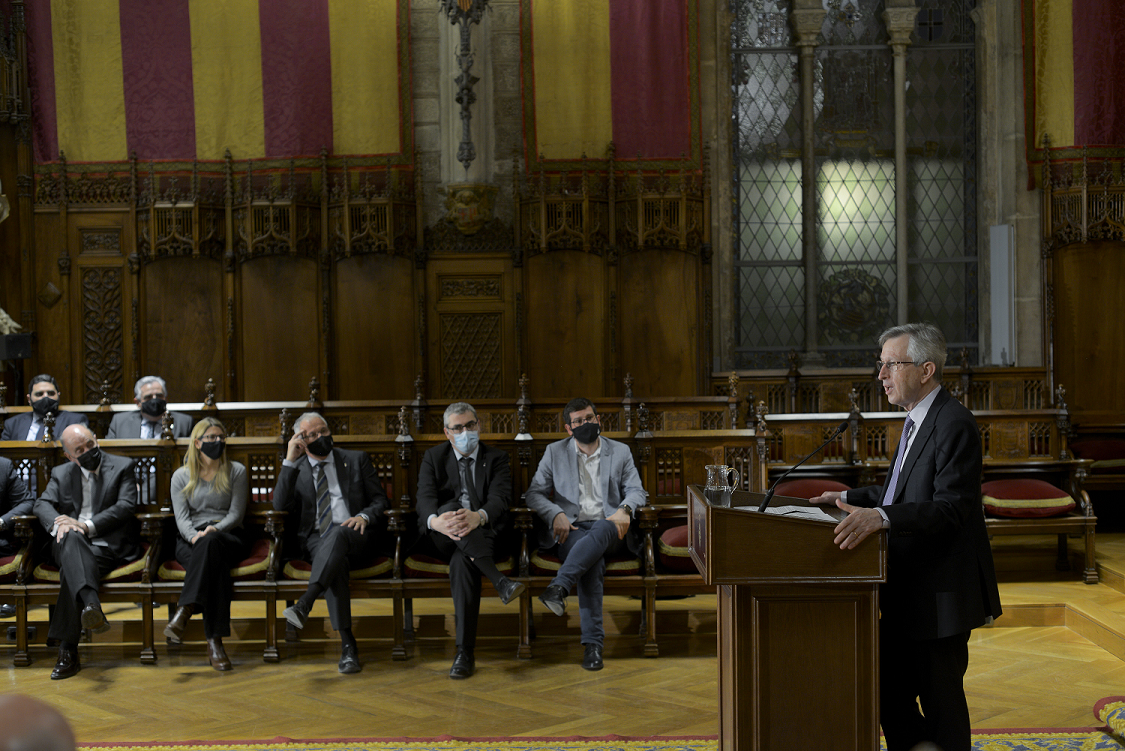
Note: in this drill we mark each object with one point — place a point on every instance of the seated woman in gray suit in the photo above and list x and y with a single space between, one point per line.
209 495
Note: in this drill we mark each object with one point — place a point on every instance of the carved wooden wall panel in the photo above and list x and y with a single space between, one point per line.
374 346
279 325
103 341
567 315
183 326
659 315
1090 328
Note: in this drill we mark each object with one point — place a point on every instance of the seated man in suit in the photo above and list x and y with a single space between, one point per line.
151 397
15 500
596 490
43 395
89 508
464 489
337 502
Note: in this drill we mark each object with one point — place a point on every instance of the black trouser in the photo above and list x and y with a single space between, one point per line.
81 564
930 672
332 558
464 578
207 581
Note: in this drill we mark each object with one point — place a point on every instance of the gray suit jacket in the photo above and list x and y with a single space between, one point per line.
16 427
558 472
128 425
115 507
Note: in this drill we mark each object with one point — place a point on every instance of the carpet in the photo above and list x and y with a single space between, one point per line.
1035 739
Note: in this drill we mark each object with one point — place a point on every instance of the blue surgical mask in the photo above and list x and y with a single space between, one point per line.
466 441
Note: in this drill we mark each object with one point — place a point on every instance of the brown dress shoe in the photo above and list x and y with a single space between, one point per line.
174 631
217 655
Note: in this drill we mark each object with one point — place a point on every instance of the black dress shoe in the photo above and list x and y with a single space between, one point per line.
592 659
7 611
94 620
510 590
463 665
349 659
66 666
554 597
297 615
174 631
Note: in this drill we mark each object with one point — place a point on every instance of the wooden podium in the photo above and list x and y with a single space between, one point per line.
798 626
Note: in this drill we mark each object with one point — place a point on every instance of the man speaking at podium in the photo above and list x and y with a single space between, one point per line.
941 583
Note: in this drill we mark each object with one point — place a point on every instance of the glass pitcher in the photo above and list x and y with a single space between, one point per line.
719 485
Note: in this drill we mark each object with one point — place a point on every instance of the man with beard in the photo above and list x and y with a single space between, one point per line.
43 395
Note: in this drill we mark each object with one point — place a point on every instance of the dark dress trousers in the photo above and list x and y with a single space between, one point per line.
941 582
16 427
439 491
128 425
333 554
15 500
81 562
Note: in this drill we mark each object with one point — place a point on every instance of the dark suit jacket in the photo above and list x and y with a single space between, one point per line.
439 484
940 577
115 507
128 425
15 498
15 428
359 484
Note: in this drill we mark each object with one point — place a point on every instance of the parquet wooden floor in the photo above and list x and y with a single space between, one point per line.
1062 649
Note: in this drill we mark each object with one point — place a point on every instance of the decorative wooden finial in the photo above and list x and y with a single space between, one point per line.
732 384
403 422
166 433
628 385
209 399
418 384
760 413
314 392
105 402
49 427
524 383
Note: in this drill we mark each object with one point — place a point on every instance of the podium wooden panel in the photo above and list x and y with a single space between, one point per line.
798 622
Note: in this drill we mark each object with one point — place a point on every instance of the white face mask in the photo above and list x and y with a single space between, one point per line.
466 441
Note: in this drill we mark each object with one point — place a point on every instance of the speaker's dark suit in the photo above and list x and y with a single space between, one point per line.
331 554
128 425
439 491
81 562
941 583
16 427
15 500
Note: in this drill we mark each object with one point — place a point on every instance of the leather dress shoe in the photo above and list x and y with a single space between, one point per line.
463 665
94 620
554 597
174 631
510 590
7 611
349 659
592 659
296 614
217 655
66 666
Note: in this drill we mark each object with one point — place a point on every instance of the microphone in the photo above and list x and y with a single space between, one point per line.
769 493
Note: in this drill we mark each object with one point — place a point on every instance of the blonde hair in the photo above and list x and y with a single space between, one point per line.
194 463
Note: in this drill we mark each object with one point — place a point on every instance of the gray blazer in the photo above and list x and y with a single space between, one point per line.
128 425
115 508
558 472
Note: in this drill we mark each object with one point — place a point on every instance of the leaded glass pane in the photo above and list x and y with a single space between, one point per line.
770 212
772 312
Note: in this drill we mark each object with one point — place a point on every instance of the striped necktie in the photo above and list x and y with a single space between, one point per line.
323 501
900 459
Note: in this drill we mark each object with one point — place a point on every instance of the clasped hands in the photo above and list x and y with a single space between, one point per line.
457 523
64 524
856 526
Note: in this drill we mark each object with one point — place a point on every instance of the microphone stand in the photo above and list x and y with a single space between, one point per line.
769 493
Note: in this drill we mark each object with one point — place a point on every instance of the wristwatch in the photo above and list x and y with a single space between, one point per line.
628 509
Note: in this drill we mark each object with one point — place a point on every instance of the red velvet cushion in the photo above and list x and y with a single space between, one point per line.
672 550
430 567
809 487
1099 449
372 568
8 566
1024 498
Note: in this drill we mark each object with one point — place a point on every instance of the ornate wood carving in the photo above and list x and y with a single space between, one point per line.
486 287
102 335
471 355
100 241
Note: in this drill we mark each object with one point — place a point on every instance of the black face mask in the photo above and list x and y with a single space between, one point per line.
154 407
45 405
321 446
91 460
587 432
214 449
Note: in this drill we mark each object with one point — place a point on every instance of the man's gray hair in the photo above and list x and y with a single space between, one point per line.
305 418
457 408
927 344
146 381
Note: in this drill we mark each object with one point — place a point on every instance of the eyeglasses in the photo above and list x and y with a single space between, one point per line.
893 365
583 420
458 429
212 438
312 435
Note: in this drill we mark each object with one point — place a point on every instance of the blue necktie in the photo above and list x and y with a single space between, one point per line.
900 457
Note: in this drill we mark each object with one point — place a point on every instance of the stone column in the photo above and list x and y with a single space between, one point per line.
808 18
899 17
